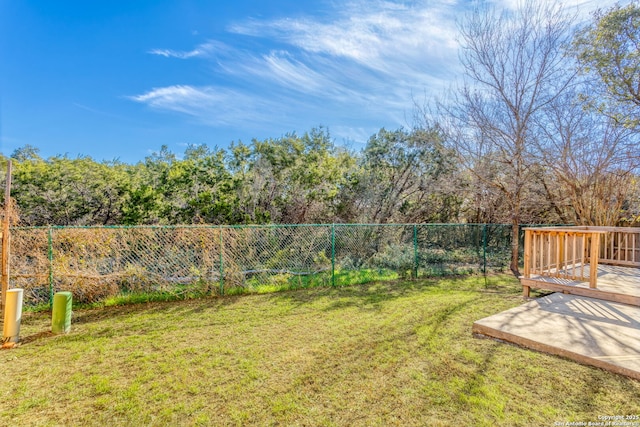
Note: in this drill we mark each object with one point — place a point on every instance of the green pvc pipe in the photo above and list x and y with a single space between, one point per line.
61 316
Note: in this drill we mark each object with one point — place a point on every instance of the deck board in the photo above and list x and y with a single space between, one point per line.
594 332
615 283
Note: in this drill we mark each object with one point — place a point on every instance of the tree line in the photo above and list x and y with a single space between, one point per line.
543 128
400 176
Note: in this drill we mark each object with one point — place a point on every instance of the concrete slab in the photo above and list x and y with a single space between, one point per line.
590 331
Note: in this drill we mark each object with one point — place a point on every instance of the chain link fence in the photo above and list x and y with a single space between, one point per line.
96 263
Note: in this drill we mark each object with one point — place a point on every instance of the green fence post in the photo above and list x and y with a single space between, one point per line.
484 249
333 254
50 256
415 251
221 262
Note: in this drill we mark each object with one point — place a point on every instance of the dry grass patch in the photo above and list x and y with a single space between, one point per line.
378 354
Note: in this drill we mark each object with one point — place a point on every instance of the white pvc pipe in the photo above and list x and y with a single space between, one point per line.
12 315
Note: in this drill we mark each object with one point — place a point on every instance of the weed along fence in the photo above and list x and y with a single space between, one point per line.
96 263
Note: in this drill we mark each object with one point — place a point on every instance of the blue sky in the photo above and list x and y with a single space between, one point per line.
118 79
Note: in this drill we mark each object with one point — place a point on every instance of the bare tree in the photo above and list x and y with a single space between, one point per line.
591 161
514 66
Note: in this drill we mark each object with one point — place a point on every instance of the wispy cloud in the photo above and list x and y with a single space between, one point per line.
352 69
376 35
582 9
183 98
216 106
366 60
202 50
353 135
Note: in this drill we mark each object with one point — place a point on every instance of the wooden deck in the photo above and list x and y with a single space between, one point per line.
596 262
614 283
593 317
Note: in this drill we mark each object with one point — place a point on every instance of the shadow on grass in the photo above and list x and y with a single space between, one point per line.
368 296
36 337
442 316
191 305
474 386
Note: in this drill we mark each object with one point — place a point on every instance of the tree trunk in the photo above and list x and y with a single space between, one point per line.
515 246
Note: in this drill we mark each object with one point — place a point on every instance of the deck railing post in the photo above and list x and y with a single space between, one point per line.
527 262
527 253
534 239
556 253
593 260
562 254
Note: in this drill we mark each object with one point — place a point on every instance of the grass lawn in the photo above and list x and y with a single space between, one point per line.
391 353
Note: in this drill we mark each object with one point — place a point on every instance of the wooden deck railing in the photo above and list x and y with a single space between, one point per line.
574 253
562 253
620 246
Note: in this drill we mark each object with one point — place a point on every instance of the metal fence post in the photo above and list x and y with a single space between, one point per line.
484 249
286 255
50 256
221 262
415 251
333 254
